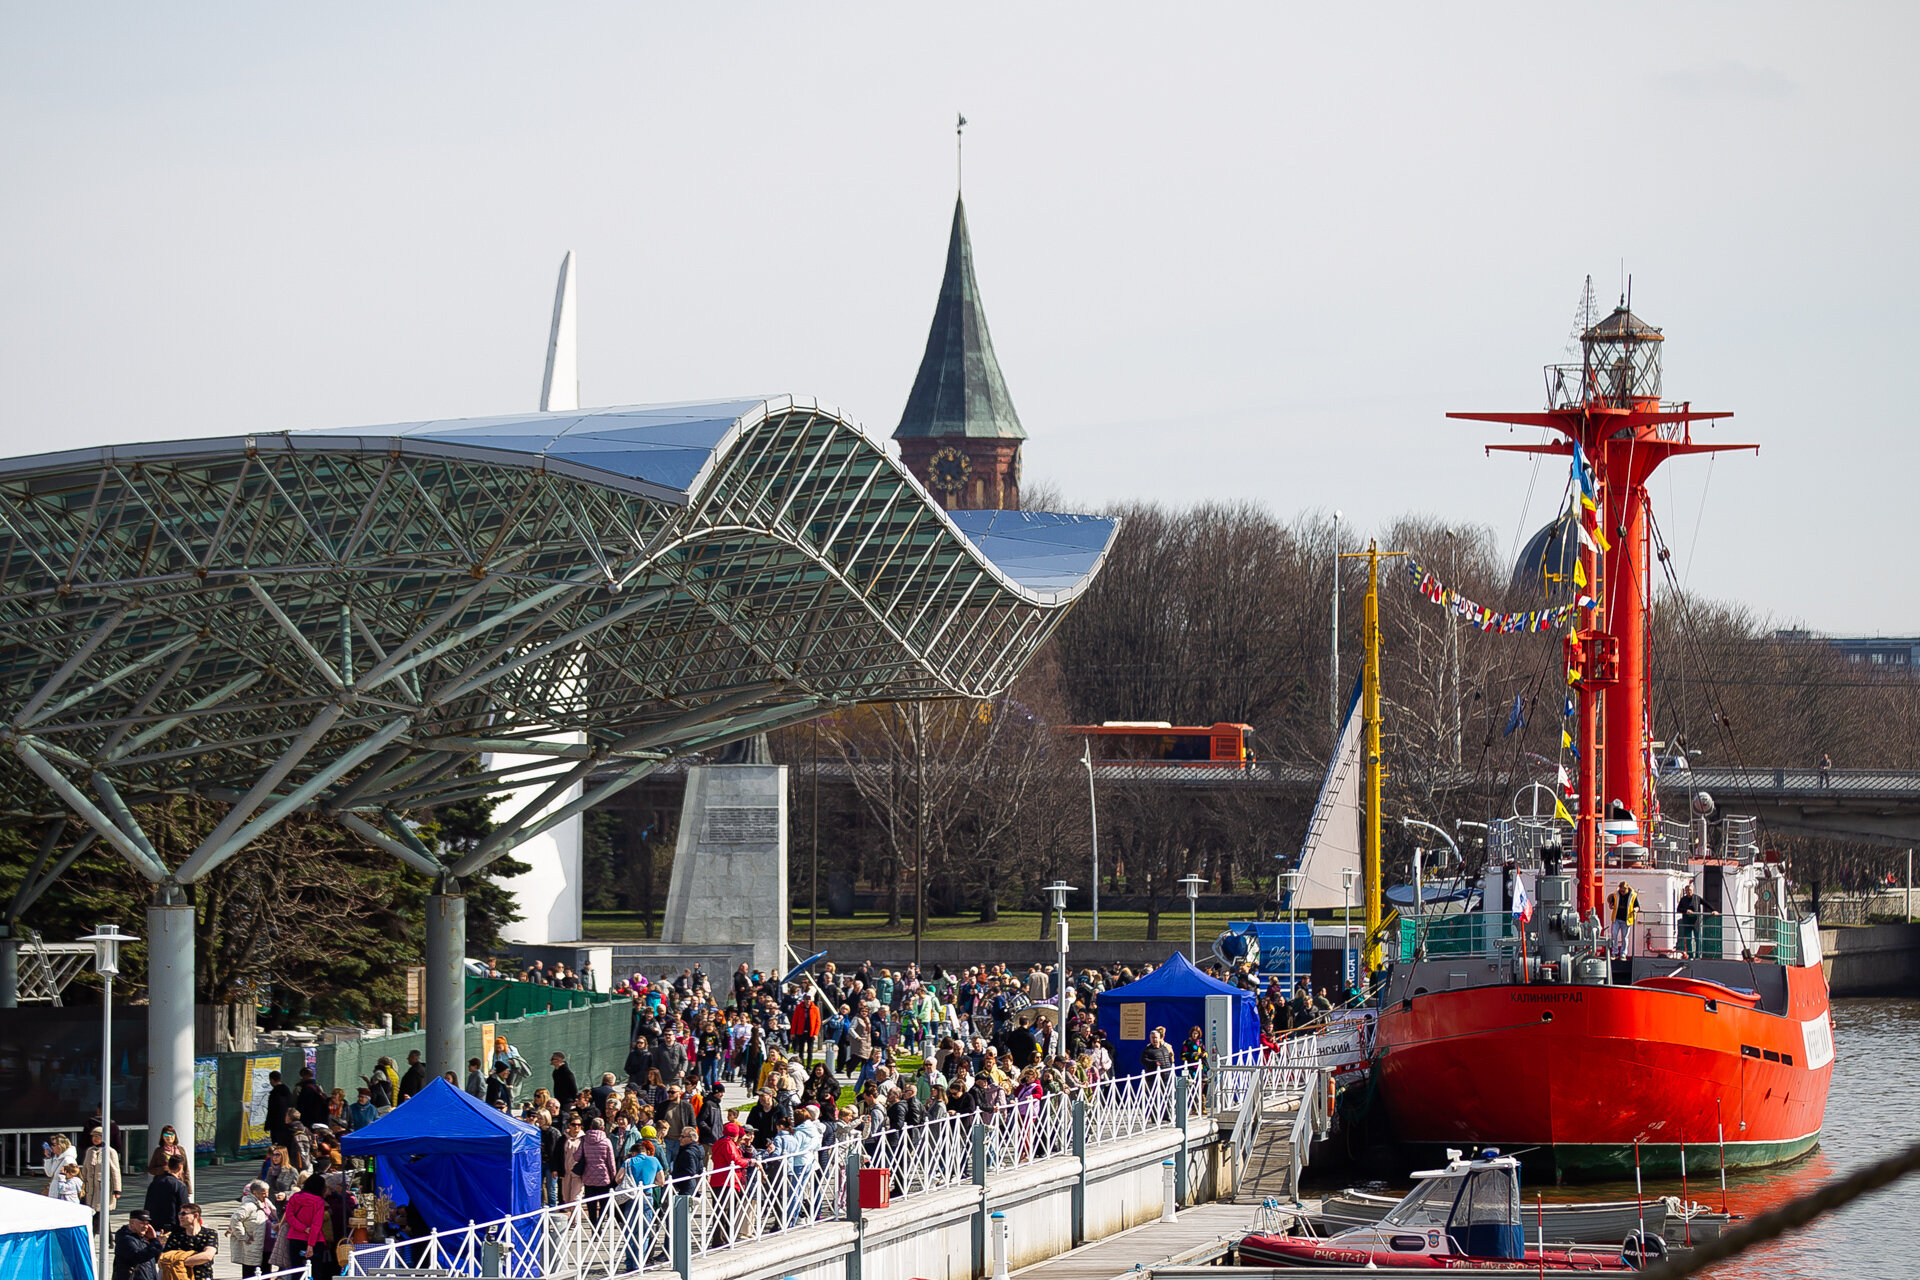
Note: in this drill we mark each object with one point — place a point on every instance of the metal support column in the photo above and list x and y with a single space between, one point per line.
1182 1092
978 1136
9 966
1080 1184
170 1011
680 1236
445 1015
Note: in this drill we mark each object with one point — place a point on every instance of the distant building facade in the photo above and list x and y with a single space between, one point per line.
959 434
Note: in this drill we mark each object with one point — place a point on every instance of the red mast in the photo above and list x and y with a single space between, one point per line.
1608 410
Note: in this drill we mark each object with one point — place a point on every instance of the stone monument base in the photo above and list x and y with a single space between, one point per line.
729 886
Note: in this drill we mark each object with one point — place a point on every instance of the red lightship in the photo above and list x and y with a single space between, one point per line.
1533 1023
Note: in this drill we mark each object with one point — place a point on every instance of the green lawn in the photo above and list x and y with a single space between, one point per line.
1115 926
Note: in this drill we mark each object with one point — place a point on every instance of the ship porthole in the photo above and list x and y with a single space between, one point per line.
1547 1016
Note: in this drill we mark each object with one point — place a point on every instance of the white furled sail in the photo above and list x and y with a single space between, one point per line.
1333 836
560 391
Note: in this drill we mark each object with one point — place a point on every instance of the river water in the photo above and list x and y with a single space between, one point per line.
1873 1110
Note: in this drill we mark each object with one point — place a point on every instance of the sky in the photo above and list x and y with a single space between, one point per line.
1227 252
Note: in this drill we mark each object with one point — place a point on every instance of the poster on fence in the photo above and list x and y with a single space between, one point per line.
206 1102
255 1087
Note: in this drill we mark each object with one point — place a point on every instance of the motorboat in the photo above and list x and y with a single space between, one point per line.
1466 1216
1582 1222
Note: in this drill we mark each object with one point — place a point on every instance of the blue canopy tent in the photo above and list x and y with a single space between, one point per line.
1173 996
455 1159
44 1239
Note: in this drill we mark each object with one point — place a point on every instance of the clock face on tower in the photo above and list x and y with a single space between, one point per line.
948 469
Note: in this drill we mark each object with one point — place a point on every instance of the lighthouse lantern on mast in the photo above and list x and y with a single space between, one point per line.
1619 367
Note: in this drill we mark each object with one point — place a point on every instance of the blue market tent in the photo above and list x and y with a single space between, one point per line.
44 1239
1174 996
455 1159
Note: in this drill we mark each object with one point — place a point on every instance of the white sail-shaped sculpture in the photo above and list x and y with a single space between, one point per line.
560 390
1333 836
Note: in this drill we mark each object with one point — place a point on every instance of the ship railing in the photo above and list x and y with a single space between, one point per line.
1712 935
1519 839
1735 838
1470 933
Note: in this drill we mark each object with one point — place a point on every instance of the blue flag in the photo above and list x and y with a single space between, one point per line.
1516 718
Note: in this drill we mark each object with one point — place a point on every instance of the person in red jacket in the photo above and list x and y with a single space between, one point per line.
729 1162
304 1223
803 1030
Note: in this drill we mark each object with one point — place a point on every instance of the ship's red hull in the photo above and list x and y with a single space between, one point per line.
1585 1072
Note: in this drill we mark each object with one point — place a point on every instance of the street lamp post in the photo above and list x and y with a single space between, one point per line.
1093 818
1347 876
1058 891
1333 680
1292 878
1193 884
106 940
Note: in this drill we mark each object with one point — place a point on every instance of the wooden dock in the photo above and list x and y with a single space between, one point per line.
1200 1234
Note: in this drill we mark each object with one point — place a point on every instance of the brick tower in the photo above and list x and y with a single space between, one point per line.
959 434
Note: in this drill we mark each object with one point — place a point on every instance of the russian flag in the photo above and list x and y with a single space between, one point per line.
1522 901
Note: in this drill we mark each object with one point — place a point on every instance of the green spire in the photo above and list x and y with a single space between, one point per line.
959 390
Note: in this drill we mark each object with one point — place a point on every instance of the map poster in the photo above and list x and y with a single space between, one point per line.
255 1087
206 1102
1133 1021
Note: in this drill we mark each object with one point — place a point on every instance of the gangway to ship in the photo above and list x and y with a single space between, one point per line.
1282 1108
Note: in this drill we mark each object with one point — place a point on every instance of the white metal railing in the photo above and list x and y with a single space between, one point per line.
622 1232
628 1230
1311 1121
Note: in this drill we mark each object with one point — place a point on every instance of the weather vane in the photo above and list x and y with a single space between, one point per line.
959 157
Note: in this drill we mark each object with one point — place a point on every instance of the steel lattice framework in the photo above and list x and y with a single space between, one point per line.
348 621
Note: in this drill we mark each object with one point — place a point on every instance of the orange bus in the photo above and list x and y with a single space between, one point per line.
1158 742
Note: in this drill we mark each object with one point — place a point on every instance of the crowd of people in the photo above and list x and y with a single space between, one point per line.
752 1078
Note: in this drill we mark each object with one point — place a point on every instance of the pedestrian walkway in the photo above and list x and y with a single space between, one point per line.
216 1189
1200 1234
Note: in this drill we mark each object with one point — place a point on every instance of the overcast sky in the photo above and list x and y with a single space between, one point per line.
1227 252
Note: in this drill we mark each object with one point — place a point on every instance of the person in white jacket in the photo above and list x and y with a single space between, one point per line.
249 1227
60 1154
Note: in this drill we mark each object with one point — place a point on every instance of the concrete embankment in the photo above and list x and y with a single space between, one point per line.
1872 960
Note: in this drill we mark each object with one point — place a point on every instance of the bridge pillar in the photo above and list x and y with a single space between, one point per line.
445 1014
170 1013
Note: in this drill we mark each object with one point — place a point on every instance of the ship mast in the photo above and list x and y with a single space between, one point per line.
1612 422
1370 888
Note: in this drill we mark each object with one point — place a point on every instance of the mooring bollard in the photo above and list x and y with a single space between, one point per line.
999 1221
1167 1200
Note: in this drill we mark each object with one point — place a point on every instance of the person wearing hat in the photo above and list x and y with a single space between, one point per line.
248 1228
499 1090
360 1112
644 1170
136 1249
